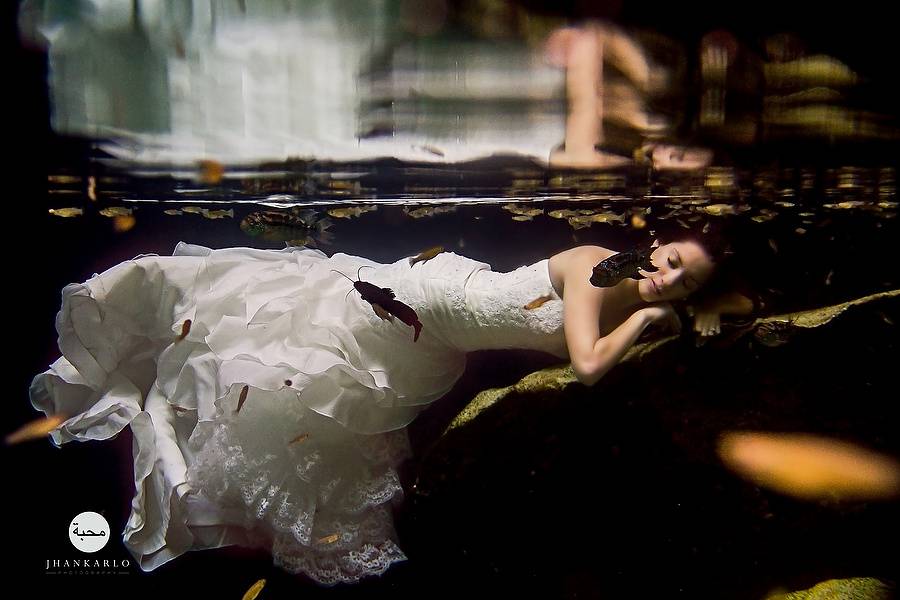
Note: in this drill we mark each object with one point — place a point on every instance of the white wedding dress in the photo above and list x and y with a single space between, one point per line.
307 467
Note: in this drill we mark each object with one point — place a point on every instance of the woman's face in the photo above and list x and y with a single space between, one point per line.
683 268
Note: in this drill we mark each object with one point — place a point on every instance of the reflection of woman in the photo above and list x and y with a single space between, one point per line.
278 420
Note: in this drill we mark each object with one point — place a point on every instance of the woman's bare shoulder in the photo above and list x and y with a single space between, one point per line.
573 262
578 255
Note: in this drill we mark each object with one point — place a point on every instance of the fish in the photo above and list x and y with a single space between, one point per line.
297 227
522 210
218 214
92 188
430 149
718 210
193 210
173 211
300 438
538 302
185 329
210 172
242 398
116 211
350 211
638 221
522 218
123 223
328 539
425 255
66 212
385 305
612 270
35 429
810 467
254 590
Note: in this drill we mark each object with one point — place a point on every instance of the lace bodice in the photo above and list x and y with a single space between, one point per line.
472 307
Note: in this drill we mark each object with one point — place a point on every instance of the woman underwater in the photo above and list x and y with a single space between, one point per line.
268 405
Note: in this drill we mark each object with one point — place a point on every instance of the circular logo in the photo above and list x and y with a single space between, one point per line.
89 531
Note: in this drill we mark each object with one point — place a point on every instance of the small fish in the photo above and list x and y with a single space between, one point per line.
254 590
638 221
538 302
682 223
761 218
428 211
218 214
563 213
116 211
328 539
185 329
522 218
811 467
784 204
244 391
173 212
430 149
612 270
210 172
297 227
829 276
92 188
192 210
123 223
425 255
350 211
35 429
800 230
300 438
706 227
846 205
773 246
66 212
522 210
717 210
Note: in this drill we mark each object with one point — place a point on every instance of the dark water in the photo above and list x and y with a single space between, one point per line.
586 496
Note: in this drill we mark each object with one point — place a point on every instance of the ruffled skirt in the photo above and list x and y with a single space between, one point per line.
276 420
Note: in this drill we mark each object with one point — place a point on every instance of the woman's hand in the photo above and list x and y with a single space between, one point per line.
662 313
707 322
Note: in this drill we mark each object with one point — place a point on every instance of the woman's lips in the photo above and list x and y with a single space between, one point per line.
656 287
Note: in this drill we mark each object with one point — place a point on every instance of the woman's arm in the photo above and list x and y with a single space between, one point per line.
592 355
